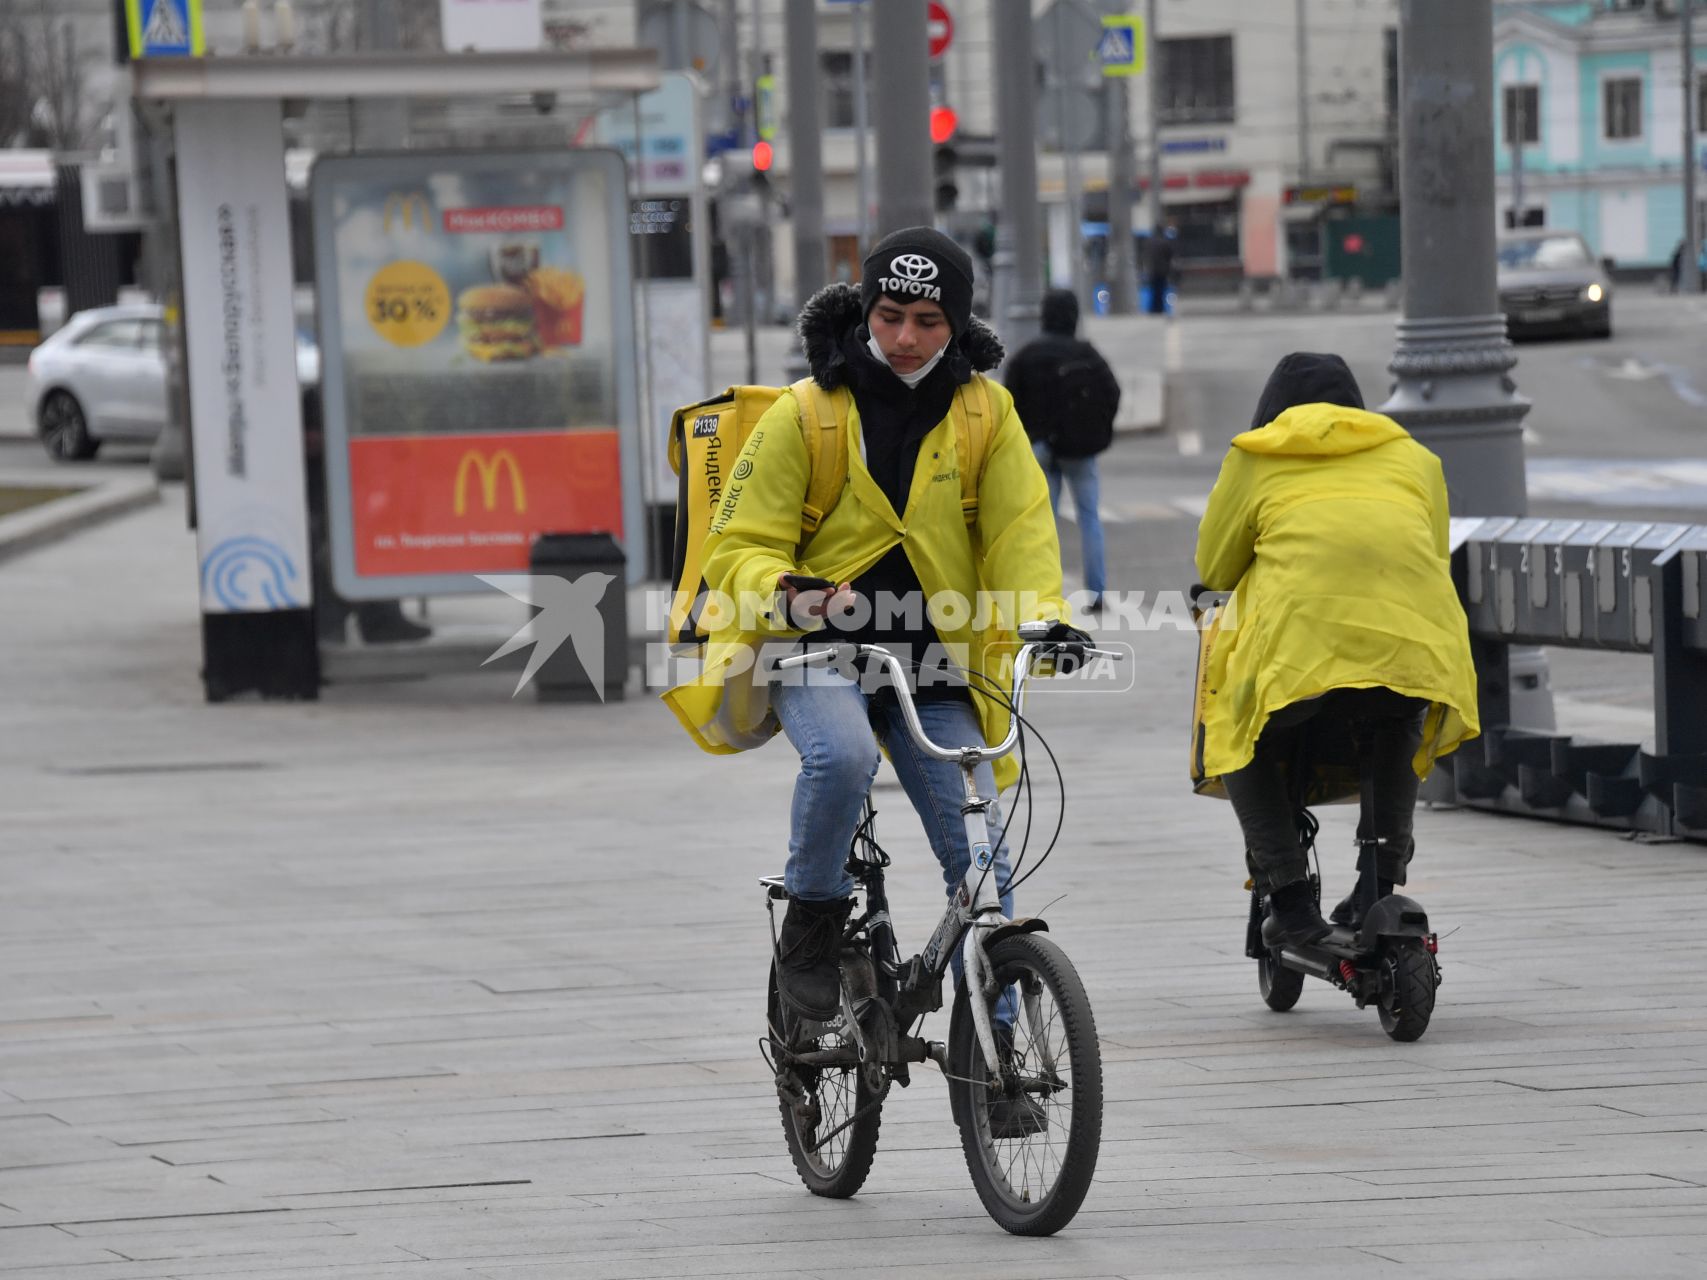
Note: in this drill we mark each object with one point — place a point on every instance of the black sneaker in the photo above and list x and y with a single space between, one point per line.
808 975
1294 919
1353 907
1019 1115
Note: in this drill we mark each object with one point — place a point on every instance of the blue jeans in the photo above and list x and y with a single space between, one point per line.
1081 476
827 718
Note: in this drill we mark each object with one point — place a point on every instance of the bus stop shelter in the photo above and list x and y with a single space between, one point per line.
480 323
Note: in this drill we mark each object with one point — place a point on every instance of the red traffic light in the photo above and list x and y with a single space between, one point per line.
943 124
762 156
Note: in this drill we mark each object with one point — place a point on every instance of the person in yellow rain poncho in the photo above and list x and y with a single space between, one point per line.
1329 525
903 568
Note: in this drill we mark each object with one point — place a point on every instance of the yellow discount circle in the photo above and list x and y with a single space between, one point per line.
408 303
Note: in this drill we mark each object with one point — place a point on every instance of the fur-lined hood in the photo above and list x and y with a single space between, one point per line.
834 312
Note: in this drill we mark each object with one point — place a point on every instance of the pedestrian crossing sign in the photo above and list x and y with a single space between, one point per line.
1121 49
164 28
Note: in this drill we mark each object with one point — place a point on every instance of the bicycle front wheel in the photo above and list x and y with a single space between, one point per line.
830 1113
1031 1149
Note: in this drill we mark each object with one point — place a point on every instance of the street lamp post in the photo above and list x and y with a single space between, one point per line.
1019 241
1453 388
1452 368
901 47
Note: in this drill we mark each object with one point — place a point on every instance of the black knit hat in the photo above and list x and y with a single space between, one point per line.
920 264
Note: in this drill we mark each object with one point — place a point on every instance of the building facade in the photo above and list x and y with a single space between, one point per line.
1256 140
1590 122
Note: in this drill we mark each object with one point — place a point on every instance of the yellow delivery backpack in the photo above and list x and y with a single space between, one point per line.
705 439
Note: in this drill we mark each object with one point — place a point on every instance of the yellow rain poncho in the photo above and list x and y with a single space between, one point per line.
1330 526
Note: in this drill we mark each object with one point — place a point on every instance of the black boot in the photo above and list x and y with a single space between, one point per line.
808 951
1355 905
1019 1115
1294 919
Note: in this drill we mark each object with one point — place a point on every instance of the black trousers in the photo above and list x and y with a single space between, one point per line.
1387 728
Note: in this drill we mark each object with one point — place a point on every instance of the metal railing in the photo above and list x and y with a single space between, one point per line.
1618 586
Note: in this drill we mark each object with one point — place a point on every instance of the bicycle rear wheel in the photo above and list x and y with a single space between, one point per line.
830 1114
1032 1152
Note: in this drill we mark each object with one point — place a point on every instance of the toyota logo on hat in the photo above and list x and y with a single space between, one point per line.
913 266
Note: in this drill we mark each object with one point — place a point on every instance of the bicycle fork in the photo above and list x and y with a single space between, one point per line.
979 903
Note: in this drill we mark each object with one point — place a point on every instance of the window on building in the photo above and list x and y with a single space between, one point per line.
1621 108
1197 79
1522 104
837 76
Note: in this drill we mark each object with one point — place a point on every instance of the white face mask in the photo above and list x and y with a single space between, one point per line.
917 375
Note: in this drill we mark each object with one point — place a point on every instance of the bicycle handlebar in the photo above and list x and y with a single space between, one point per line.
910 711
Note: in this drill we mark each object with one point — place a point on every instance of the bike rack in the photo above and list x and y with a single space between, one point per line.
1617 586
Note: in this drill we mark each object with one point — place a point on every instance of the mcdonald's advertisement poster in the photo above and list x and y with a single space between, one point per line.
477 365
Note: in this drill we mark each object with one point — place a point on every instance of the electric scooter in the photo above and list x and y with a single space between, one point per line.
1389 959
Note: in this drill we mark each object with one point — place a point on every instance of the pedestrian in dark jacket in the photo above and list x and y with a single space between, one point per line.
1067 396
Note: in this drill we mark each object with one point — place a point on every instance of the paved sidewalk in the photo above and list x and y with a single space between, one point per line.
423 982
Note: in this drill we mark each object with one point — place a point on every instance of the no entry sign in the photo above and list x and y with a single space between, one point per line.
940 28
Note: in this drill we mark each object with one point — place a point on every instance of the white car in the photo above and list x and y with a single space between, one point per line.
103 377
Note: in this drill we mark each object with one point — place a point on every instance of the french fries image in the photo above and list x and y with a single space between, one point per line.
559 300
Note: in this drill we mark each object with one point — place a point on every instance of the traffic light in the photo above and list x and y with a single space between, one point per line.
763 154
946 159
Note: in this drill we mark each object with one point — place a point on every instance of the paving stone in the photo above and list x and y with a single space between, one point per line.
422 981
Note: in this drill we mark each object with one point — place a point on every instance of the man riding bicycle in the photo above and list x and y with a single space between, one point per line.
1329 525
897 564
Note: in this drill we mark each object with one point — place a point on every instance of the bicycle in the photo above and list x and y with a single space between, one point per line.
1025 1092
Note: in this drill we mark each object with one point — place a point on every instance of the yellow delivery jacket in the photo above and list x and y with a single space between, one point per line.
1011 547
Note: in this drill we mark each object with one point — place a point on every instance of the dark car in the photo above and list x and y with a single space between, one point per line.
1549 281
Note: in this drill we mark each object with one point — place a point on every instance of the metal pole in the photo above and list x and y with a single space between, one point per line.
1689 275
380 124
749 281
1453 363
1122 273
805 152
1453 388
679 58
862 127
1073 187
901 46
1153 78
1302 38
1019 242
750 239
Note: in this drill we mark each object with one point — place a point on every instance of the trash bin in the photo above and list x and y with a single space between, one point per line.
591 661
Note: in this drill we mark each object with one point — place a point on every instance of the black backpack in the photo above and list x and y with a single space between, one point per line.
1088 398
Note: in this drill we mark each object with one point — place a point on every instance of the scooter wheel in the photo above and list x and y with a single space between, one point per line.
1406 1010
1279 985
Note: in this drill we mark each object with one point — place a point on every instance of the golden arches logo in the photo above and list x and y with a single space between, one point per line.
475 462
411 208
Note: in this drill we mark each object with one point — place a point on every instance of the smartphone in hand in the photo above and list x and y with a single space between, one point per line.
801 582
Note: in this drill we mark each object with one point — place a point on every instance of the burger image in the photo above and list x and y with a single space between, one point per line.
496 322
